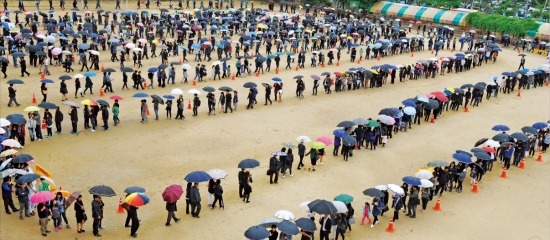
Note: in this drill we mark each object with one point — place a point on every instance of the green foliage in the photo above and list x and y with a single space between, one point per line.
441 3
500 24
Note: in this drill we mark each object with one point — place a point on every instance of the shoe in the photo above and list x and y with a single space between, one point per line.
134 235
372 225
97 235
82 230
43 234
177 219
127 226
48 231
167 224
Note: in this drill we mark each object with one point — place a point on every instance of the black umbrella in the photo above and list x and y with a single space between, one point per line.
47 105
134 189
346 124
480 141
27 178
103 103
306 224
22 158
506 144
65 77
250 85
321 206
256 232
349 140
16 119
248 163
529 129
225 88
162 66
102 190
431 104
298 77
109 70
520 136
127 69
462 151
158 98
501 137
373 192
465 86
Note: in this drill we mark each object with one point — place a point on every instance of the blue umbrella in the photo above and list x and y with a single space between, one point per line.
152 69
500 128
520 136
339 133
462 157
196 46
16 118
540 125
462 151
409 103
90 74
482 155
256 233
169 97
46 81
197 176
18 54
349 140
412 180
84 46
47 105
134 189
140 95
306 224
27 178
276 79
288 227
248 163
22 158
15 81
325 74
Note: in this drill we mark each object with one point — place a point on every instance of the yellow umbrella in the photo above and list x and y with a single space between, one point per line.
88 102
318 145
64 193
349 37
262 26
450 89
373 71
430 169
308 31
32 109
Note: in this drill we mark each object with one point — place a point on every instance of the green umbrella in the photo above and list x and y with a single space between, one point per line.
438 163
345 198
373 123
318 145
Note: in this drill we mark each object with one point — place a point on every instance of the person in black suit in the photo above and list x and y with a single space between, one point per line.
326 224
273 169
242 182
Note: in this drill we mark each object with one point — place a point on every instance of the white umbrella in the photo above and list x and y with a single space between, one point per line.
340 206
94 52
78 76
176 91
12 171
382 187
303 139
216 63
130 45
11 143
396 189
2 131
5 163
67 52
492 143
8 152
4 122
186 66
304 206
284 214
426 183
217 174
423 174
409 110
137 50
268 222
194 91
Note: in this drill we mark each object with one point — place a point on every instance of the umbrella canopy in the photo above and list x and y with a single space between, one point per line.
318 145
31 109
321 206
306 224
346 124
11 143
324 139
47 105
102 190
501 137
423 174
225 88
303 139
42 197
8 152
500 128
340 207
22 158
134 189
71 104
482 156
345 198
72 198
248 163
462 157
288 227
140 95
540 125
172 193
361 121
250 85
137 199
284 214
208 89
268 222
396 189
176 91
349 140
528 129
256 233
197 176
373 192
412 180
426 183
520 136
27 178
480 141
217 174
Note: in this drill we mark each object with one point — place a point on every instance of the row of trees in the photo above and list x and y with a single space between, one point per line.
501 24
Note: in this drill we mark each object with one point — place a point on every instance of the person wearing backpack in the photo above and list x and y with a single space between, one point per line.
341 225
218 195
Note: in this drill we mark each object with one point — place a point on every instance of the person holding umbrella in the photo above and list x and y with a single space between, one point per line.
48 119
195 200
97 213
7 196
43 213
171 207
413 202
247 187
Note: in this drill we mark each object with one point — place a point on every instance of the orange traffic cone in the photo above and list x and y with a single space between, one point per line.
390 226
73 58
276 70
518 50
257 74
189 105
102 68
297 68
359 61
43 125
412 54
120 209
323 66
466 109
34 99
522 164
503 174
144 84
337 63
233 76
539 158
437 207
519 93
43 75
147 112
547 83
194 83
432 51
432 120
378 58
101 92
474 189
181 61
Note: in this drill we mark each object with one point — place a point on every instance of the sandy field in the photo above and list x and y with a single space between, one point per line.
160 153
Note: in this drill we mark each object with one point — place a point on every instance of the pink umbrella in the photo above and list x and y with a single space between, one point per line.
172 193
429 95
42 196
56 51
324 139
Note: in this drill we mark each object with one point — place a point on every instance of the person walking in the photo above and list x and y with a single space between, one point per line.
341 225
366 213
195 200
301 153
172 208
132 211
116 111
97 213
12 96
218 195
274 166
61 203
377 207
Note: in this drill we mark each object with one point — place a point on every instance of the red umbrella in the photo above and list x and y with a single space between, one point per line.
338 74
172 193
115 97
440 96
489 149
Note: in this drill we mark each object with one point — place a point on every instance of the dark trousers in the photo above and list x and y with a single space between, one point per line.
135 225
324 235
218 198
8 203
195 208
187 206
424 203
241 190
301 164
276 173
58 127
127 223
171 215
95 226
74 126
395 214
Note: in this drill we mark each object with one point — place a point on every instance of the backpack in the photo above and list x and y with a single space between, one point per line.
199 103
218 190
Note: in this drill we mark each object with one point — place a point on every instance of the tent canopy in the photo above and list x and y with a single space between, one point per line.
435 15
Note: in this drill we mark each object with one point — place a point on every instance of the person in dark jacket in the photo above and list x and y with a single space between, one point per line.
196 105
218 195
195 199
7 196
105 117
274 169
326 224
74 119
188 197
58 120
301 153
97 213
171 207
